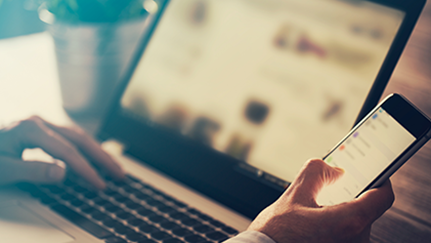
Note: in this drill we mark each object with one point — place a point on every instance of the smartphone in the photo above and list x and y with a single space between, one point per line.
375 148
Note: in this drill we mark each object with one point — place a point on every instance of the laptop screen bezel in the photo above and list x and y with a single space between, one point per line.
204 169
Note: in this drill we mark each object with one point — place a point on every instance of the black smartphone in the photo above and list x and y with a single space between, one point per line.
375 148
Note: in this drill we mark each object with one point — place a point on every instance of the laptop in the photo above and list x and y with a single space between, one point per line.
222 104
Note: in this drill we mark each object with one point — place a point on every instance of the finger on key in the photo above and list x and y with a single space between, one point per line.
34 133
90 148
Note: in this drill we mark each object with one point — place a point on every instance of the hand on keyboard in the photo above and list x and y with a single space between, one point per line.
70 145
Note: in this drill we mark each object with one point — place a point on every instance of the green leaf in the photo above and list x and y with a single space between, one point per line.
95 10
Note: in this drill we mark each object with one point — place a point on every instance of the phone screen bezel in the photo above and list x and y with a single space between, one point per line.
409 117
404 112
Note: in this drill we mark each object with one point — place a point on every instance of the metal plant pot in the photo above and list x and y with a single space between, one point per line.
91 59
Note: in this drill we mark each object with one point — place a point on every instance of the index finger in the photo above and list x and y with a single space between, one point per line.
313 176
90 148
33 133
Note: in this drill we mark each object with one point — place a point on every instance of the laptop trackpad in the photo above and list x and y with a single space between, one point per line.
20 224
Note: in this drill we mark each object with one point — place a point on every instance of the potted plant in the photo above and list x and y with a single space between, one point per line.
94 40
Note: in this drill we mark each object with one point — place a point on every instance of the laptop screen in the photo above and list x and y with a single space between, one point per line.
269 82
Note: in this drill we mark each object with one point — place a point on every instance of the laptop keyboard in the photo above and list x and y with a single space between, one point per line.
130 211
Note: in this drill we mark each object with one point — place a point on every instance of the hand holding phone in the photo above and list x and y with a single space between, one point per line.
375 148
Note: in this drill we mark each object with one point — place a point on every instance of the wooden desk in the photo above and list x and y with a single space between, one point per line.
409 220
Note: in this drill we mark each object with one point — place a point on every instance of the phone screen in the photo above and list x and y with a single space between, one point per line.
364 155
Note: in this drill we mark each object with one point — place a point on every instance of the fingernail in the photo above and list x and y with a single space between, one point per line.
55 173
341 170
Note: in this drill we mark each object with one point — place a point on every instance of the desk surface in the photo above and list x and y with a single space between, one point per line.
29 85
409 220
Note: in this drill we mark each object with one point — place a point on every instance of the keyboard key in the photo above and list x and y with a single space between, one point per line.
136 237
145 212
76 202
193 211
203 228
119 183
116 195
87 209
115 239
141 195
218 236
179 204
113 209
120 227
79 189
90 195
181 232
157 219
160 235
120 198
135 222
216 223
146 241
110 223
110 192
179 216
67 197
99 216
124 215
82 222
168 198
102 202
148 228
125 230
166 209
204 217
132 205
194 238
173 240
169 225
229 230
154 202
129 189
153 190
190 222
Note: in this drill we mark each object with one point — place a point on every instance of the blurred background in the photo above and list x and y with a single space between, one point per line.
408 221
93 43
19 17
